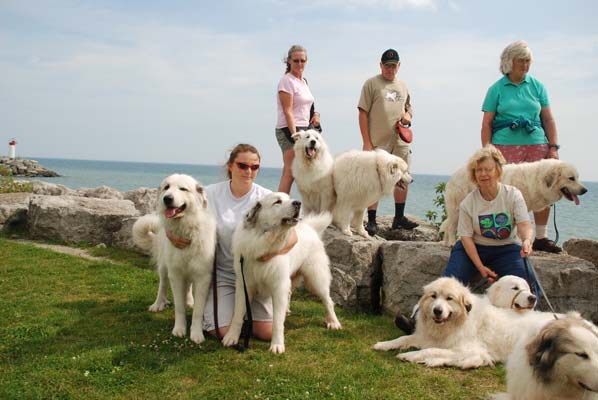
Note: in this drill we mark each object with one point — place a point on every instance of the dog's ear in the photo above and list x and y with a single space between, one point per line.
542 351
251 217
202 195
466 302
551 177
296 136
393 167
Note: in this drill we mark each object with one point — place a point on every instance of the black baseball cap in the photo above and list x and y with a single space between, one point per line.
390 56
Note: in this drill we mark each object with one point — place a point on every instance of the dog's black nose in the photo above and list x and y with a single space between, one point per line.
296 203
531 298
583 191
312 142
168 199
437 311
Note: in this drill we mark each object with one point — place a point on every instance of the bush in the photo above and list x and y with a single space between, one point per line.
432 215
8 185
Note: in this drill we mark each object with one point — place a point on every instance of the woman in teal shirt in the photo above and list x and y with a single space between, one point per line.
518 121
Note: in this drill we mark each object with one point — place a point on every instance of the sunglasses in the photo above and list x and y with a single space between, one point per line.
299 60
244 166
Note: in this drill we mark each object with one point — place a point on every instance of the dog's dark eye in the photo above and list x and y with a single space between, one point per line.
184 189
166 187
278 202
449 298
515 288
572 178
433 295
583 355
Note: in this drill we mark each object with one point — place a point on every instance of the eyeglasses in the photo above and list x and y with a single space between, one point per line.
484 170
299 60
244 166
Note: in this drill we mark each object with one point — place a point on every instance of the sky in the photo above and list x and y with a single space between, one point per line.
184 81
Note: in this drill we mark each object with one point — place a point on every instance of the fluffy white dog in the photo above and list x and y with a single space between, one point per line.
559 362
542 183
182 240
361 178
312 170
456 328
511 291
266 229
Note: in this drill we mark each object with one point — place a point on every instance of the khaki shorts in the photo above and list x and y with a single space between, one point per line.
400 150
261 309
284 143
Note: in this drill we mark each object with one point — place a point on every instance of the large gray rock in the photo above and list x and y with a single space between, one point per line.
123 237
423 233
50 189
583 248
355 266
145 199
77 219
100 192
13 208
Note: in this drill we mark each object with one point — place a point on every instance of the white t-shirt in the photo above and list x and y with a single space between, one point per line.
302 100
492 223
229 210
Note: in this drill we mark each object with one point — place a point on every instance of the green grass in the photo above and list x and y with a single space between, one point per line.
72 328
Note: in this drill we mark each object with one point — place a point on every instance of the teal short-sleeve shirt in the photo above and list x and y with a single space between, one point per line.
516 102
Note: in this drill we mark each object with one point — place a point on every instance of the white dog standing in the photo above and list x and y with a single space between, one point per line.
267 228
182 241
542 183
361 178
312 170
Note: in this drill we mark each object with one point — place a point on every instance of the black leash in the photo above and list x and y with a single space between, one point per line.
556 230
248 322
528 265
215 293
479 285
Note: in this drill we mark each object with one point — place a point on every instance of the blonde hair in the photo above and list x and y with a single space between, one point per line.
487 152
517 49
240 148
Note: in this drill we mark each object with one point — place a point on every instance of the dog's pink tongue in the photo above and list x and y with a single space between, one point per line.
575 199
170 212
311 152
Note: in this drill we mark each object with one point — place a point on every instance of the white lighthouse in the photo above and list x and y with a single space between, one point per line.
11 146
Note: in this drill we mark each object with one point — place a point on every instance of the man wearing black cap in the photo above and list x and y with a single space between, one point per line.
384 101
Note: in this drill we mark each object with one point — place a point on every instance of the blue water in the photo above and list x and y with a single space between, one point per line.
572 221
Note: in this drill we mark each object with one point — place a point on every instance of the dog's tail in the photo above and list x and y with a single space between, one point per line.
145 230
319 222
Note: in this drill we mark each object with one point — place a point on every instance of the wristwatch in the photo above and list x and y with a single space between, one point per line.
553 145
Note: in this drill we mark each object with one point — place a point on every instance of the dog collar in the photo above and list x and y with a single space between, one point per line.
515 298
287 247
178 242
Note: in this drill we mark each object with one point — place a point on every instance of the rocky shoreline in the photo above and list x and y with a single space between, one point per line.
24 167
385 273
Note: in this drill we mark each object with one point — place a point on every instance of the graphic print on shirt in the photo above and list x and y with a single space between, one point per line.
392 96
495 226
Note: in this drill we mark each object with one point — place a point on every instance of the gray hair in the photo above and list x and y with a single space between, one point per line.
517 49
294 48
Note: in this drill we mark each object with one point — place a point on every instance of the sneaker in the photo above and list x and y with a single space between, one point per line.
547 245
371 227
406 324
403 222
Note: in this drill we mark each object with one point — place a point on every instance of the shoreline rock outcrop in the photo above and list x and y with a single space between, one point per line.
381 274
25 167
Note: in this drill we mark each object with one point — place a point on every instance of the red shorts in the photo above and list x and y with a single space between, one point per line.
525 153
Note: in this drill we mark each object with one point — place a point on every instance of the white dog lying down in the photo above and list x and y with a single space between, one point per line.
559 362
541 183
312 170
361 178
511 291
265 230
456 328
182 242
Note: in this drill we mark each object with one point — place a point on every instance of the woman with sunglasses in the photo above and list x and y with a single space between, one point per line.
294 104
230 200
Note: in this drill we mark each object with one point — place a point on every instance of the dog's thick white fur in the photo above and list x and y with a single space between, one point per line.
559 362
511 291
312 170
361 178
456 328
182 214
265 230
542 184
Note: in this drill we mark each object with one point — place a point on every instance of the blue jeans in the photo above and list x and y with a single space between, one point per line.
504 260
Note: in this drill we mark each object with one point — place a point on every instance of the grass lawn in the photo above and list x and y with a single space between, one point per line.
73 328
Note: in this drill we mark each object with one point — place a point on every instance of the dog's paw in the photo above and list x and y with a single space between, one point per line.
159 305
383 346
179 331
333 325
347 232
363 233
197 336
277 348
230 339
